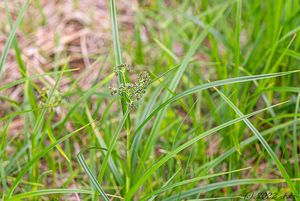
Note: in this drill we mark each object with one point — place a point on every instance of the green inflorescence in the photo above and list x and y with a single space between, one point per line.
132 92
54 101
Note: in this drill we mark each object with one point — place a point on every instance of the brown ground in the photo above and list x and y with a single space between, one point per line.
79 33
57 31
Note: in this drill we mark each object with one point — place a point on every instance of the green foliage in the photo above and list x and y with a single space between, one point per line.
215 89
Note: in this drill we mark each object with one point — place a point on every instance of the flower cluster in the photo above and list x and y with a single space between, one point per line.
132 92
122 69
55 100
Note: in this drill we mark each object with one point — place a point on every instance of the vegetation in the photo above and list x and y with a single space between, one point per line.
191 100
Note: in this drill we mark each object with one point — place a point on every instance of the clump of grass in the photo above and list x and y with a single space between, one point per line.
174 136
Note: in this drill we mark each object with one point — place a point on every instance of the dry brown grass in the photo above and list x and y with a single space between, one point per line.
58 32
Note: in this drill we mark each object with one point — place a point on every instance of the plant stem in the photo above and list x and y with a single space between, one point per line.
122 80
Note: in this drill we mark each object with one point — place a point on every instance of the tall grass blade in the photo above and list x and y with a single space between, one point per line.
11 36
91 176
112 146
172 153
225 184
272 154
38 156
210 85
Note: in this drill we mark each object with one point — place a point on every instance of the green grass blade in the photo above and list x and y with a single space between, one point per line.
166 184
225 184
272 154
244 144
22 80
112 146
210 85
296 154
114 23
82 98
102 143
12 34
167 50
91 176
58 147
138 135
38 156
172 153
174 83
237 38
188 181
49 192
21 65
218 198
122 81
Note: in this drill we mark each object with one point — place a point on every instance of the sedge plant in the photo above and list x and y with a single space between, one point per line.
150 126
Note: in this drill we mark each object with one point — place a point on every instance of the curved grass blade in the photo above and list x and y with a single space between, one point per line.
20 81
192 141
263 142
138 136
44 192
224 184
82 98
102 143
112 145
211 85
38 156
13 114
12 35
219 198
167 50
174 83
243 144
188 181
166 184
296 144
91 176
39 122
58 147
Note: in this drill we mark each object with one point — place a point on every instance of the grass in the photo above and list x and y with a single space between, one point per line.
173 136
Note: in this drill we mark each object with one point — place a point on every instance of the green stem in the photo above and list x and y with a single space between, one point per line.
122 80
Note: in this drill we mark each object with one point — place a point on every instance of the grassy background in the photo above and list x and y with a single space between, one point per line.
219 118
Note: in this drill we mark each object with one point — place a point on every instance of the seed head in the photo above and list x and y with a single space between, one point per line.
55 100
131 91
